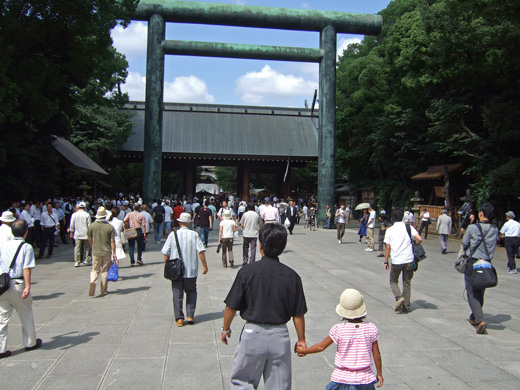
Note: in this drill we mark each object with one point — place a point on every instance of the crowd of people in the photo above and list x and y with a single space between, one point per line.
266 293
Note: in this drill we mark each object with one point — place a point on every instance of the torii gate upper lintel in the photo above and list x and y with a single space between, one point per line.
327 23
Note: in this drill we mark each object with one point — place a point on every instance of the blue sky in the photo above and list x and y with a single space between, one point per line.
236 81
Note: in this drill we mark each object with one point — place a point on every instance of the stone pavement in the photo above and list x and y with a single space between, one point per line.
128 339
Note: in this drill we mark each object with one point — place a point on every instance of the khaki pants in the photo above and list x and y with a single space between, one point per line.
99 264
395 271
370 238
81 248
12 298
227 246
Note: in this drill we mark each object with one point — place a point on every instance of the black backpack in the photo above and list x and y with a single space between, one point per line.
159 216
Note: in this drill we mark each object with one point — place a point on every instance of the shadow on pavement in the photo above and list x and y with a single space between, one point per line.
47 297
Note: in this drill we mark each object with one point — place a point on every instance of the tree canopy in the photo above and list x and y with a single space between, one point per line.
57 70
438 86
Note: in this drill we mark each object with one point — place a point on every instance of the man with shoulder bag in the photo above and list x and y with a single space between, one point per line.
17 259
483 237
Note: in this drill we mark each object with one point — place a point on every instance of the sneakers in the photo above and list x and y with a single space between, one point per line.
481 328
76 264
399 304
35 346
87 263
512 271
369 250
380 255
140 262
339 241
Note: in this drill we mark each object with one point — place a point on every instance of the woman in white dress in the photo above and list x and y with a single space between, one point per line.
119 228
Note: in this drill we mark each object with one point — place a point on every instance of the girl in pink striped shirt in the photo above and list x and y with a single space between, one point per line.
356 346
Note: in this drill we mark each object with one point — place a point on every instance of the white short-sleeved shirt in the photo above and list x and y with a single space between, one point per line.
511 228
25 258
227 226
190 244
372 216
168 214
400 243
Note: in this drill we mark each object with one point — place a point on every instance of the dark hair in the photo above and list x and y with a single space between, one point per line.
137 207
488 210
273 238
382 216
397 214
251 206
19 227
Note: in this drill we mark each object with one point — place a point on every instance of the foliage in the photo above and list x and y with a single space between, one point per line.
438 86
226 178
57 64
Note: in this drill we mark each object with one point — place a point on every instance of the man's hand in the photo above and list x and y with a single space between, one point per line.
224 336
300 345
204 270
387 266
26 292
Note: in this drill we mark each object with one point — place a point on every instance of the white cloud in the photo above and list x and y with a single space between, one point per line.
310 69
135 86
187 89
132 40
344 42
305 6
258 87
184 89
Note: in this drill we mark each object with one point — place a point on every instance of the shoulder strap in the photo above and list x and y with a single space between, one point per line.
16 255
177 242
409 231
483 240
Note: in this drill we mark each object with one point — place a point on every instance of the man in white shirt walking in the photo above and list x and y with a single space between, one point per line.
50 226
400 249
371 224
79 224
251 223
511 232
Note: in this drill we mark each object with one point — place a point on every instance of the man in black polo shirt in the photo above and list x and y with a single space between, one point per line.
267 293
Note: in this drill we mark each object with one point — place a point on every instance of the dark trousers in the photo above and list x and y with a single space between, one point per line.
47 238
37 233
340 227
179 287
249 245
292 220
511 244
30 236
424 225
63 232
475 295
131 246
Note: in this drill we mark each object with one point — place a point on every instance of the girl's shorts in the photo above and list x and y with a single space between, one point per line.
344 386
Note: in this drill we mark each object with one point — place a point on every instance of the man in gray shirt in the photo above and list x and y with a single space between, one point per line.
251 223
481 240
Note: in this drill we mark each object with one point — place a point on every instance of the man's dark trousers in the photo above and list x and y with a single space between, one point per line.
511 244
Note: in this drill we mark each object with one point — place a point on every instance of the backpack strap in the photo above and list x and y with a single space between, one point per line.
16 255
483 240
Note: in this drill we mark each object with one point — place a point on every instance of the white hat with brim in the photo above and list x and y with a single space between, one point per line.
82 205
184 218
227 214
510 214
7 216
101 213
351 305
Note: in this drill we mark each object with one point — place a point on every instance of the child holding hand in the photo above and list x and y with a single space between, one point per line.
356 346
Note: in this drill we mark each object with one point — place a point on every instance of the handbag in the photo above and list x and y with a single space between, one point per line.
174 268
113 273
131 233
4 277
419 253
287 223
123 238
483 275
463 259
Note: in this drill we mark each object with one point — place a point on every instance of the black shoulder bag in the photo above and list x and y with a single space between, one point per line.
174 268
483 274
5 278
418 251
463 259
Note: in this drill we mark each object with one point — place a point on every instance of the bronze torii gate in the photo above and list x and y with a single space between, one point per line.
327 23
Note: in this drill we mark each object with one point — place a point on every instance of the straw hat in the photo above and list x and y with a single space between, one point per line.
227 214
7 216
351 305
101 213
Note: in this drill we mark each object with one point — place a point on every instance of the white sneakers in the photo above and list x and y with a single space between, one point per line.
369 250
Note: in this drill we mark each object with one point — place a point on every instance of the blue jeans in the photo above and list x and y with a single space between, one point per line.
328 223
131 246
344 386
204 234
157 231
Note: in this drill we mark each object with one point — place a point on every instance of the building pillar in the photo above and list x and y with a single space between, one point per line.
327 121
189 173
152 155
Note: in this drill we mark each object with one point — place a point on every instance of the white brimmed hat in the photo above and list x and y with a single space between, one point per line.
510 214
227 214
351 305
101 213
7 216
82 205
184 218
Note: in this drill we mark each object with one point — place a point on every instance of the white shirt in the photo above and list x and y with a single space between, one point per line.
227 226
6 234
35 212
25 258
372 219
261 208
401 249
168 214
79 223
426 216
50 220
27 218
190 244
511 229
148 218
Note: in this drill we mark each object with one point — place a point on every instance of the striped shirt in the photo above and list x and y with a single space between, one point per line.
354 352
190 244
